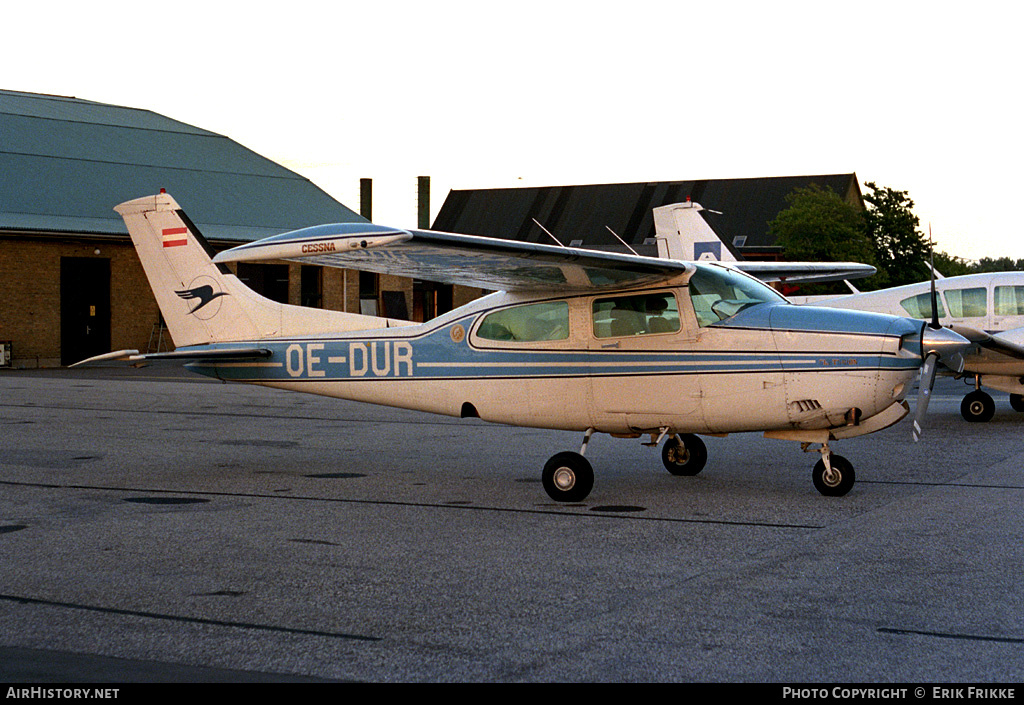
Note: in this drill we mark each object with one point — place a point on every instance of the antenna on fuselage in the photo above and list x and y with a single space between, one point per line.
547 231
623 241
931 265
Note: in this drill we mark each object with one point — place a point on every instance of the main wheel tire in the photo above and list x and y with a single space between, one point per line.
839 481
684 454
568 477
977 407
1017 402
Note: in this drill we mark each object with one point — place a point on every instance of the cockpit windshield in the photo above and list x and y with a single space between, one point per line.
719 293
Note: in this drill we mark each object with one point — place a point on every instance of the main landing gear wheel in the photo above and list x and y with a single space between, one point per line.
978 406
834 482
568 477
684 454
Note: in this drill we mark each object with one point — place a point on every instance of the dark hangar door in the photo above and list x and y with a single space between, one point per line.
84 308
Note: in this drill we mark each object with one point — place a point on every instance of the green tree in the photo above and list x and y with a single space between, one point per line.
952 266
901 251
819 226
998 264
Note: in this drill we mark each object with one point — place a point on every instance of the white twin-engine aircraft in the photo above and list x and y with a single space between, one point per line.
574 339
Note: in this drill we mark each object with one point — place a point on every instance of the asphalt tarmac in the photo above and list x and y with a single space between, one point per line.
159 527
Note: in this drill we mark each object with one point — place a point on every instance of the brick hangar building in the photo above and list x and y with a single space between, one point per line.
71 285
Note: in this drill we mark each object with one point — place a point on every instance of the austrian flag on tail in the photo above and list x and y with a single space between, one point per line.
175 237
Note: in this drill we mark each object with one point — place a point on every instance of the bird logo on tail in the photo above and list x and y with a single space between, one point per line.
204 294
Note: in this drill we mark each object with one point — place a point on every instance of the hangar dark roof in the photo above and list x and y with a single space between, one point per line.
65 163
743 208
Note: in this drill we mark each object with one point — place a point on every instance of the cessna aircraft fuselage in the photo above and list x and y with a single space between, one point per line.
575 339
559 362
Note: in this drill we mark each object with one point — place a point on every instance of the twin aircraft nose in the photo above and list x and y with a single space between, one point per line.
945 344
938 345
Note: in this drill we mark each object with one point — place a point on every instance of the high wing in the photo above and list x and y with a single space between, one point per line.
471 260
803 272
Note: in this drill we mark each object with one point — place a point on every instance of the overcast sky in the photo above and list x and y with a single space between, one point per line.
917 96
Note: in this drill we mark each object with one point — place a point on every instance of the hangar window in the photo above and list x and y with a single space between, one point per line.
920 306
636 315
1009 300
528 323
966 303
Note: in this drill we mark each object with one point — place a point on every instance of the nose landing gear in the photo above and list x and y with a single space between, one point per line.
833 475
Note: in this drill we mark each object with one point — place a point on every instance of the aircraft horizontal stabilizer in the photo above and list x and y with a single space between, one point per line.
205 354
116 355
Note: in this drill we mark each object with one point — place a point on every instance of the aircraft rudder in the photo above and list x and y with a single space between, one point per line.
684 234
195 295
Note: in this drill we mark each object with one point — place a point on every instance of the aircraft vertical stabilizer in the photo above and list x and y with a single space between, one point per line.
203 302
683 234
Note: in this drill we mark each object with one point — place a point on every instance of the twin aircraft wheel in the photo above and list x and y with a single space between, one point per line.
978 406
1017 402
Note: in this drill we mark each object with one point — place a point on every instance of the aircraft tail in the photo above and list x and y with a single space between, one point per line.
203 302
683 234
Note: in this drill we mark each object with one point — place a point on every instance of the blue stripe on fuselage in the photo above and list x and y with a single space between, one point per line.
438 354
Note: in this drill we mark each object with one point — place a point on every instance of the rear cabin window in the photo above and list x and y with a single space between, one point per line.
1009 300
644 314
920 306
528 323
966 303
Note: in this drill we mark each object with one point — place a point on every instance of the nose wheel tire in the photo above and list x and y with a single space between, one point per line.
977 407
834 482
568 477
684 454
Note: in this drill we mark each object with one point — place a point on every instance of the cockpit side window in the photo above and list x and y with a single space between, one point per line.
718 293
527 323
641 314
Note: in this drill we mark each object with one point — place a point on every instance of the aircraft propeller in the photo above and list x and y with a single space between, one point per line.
938 344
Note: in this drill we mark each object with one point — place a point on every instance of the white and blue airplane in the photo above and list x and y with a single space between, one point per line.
572 339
